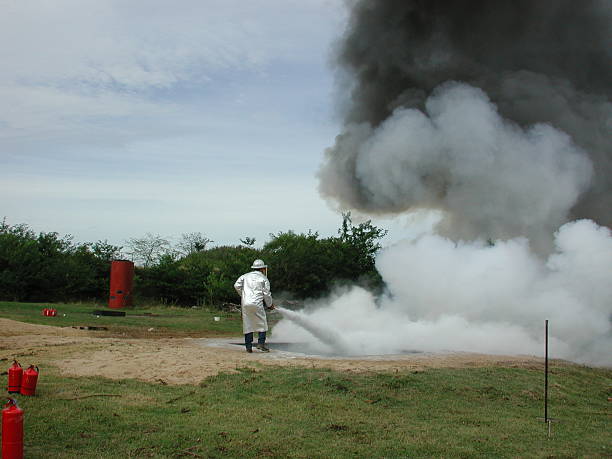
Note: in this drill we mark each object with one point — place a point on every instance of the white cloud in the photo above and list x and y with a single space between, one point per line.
137 108
70 58
148 43
115 208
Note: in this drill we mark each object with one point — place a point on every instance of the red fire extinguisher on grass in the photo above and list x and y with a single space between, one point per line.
15 374
12 431
28 381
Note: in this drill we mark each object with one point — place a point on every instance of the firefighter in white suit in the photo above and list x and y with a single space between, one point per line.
254 290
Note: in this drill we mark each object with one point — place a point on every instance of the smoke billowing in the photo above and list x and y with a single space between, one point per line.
477 297
495 114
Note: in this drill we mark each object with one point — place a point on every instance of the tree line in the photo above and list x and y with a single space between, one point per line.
48 267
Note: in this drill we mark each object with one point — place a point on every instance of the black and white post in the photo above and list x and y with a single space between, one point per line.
547 420
546 373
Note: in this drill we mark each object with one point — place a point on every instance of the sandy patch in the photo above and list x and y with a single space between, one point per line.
189 360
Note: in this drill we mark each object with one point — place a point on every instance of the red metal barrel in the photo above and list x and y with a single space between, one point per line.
12 431
121 283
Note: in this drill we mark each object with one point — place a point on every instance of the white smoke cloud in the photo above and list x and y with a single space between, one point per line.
471 296
493 178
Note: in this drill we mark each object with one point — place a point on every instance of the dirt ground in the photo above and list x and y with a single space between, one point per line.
190 360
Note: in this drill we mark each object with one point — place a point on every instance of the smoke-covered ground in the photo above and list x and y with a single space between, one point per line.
496 115
475 297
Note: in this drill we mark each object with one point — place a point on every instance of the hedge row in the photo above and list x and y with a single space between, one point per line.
48 267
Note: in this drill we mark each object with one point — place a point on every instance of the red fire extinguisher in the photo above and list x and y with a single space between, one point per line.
15 374
28 381
12 431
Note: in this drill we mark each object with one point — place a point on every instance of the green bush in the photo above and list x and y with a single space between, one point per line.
307 266
47 267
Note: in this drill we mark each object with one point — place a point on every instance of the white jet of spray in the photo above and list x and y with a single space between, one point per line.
325 335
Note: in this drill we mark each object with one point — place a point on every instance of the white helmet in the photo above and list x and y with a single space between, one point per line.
258 264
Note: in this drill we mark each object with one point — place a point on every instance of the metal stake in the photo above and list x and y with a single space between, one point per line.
546 377
546 419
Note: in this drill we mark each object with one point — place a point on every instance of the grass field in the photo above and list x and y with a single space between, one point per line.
489 412
173 321
314 413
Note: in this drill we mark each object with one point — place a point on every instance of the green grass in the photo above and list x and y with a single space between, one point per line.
487 412
167 320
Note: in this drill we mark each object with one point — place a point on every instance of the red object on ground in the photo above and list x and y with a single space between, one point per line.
121 283
12 431
29 380
46 312
15 374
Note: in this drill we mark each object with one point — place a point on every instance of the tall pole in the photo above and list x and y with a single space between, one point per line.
546 374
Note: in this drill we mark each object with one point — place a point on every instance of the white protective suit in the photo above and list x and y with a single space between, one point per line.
254 289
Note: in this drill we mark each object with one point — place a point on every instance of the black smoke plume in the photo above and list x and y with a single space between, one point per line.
495 111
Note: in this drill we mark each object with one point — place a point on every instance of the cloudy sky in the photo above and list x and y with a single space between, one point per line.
126 117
